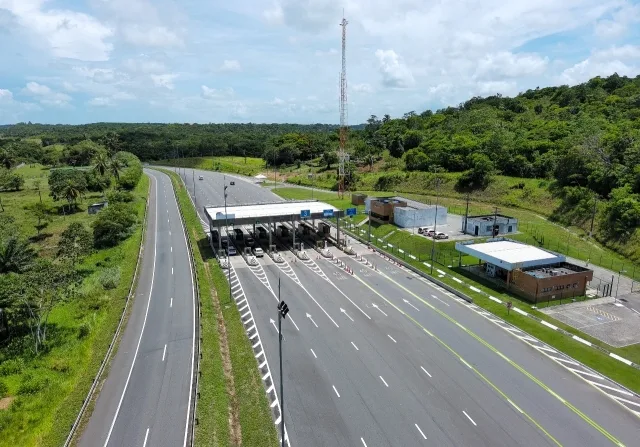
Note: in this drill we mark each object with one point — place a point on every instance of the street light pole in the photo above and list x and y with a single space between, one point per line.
226 220
283 309
435 224
369 223
615 298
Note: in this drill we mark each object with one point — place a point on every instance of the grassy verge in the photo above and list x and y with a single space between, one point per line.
49 389
237 165
233 404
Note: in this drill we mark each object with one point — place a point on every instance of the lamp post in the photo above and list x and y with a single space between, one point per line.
435 224
226 220
615 298
312 176
283 309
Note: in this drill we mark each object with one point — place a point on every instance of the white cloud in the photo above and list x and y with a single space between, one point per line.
164 80
69 87
329 52
619 23
489 88
394 72
362 88
144 65
98 75
67 34
107 101
5 95
624 60
153 36
305 15
230 65
508 65
212 93
46 96
277 101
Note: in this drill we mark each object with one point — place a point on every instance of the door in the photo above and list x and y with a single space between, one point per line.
476 232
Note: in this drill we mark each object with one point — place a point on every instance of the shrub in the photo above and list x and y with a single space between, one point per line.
119 196
132 171
84 330
4 389
387 182
113 224
110 278
33 385
11 367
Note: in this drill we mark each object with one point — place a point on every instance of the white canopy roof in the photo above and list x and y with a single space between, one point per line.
289 210
510 255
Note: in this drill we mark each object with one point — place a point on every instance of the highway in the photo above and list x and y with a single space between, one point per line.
146 397
383 357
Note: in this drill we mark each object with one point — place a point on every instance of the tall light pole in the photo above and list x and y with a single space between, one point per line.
226 219
283 309
435 224
615 298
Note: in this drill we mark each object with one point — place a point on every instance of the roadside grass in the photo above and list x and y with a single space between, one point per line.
49 389
236 165
224 398
420 247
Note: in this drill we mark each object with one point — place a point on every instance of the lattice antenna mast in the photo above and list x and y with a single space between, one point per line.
343 157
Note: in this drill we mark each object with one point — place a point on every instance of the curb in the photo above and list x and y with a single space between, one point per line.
105 361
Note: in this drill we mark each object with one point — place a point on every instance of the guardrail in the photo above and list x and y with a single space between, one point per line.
105 361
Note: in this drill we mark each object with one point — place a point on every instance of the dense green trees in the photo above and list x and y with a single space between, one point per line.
113 224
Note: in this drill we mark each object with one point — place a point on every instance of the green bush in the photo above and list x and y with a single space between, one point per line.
130 175
84 330
113 224
11 367
33 385
119 196
4 389
110 278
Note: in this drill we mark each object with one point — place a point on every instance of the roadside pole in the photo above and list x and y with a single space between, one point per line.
283 309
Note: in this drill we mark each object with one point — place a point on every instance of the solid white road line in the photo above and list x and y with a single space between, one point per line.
517 407
469 417
172 270
426 372
354 345
171 303
420 431
144 323
172 249
463 361
383 381
618 390
363 443
391 338
314 354
146 436
334 389
164 352
433 296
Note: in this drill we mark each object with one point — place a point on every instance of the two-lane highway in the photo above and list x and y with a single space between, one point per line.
146 398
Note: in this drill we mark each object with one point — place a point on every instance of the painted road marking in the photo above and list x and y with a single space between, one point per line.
463 361
334 389
377 307
172 249
172 270
314 354
544 348
146 436
407 301
345 312
420 431
445 303
611 388
391 338
584 372
469 417
426 372
560 359
171 303
164 352
363 443
383 381
354 345
517 407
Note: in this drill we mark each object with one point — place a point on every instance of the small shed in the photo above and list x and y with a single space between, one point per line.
358 199
95 207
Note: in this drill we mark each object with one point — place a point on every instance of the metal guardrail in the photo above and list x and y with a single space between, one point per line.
105 361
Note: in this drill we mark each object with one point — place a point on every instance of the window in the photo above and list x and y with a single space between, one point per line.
509 229
489 227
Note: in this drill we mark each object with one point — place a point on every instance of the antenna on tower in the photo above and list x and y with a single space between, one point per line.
343 157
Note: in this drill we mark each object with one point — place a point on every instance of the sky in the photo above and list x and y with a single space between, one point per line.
276 61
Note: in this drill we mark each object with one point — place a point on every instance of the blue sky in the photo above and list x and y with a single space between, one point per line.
79 61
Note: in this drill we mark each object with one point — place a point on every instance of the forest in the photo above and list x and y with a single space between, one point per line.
584 139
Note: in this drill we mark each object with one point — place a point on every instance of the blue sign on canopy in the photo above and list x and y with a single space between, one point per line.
327 213
305 213
351 211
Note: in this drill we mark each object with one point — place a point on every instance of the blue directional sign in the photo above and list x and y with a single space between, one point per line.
351 211
327 213
305 213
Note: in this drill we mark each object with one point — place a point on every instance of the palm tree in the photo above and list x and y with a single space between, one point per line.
101 161
115 166
6 158
15 255
71 192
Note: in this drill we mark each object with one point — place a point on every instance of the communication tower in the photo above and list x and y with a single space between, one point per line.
343 157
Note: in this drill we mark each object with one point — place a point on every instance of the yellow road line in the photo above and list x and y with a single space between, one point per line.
583 416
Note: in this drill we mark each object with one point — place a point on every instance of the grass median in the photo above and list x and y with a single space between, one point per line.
233 408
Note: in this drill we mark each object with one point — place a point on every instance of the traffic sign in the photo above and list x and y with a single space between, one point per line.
305 213
351 211
327 213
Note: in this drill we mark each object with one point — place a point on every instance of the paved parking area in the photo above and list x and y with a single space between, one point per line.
602 318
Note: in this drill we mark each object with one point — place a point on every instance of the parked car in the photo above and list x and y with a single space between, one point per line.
232 183
424 230
231 250
239 234
262 233
258 252
249 241
440 236
201 177
430 233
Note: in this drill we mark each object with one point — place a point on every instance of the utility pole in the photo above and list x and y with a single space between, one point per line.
226 219
369 222
466 215
495 219
435 224
342 155
283 310
593 215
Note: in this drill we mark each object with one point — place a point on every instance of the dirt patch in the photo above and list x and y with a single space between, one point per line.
234 413
5 402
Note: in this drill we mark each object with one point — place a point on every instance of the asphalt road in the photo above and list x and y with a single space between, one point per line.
384 358
145 400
